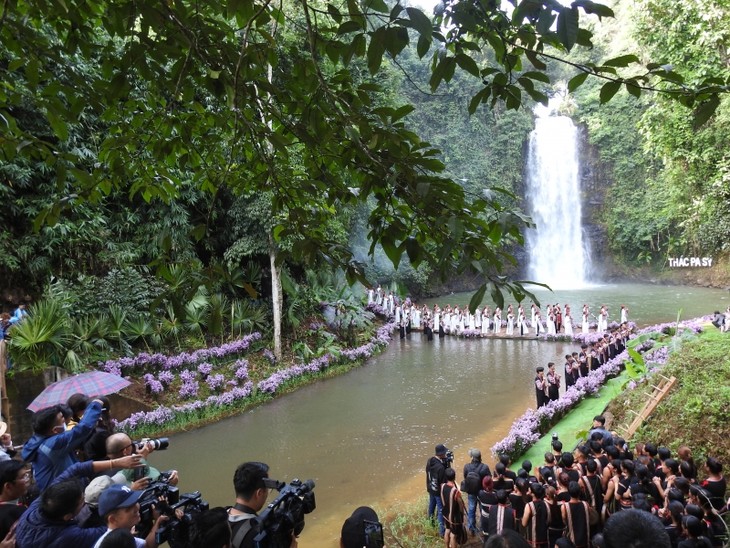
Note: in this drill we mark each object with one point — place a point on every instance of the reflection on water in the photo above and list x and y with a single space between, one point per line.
364 437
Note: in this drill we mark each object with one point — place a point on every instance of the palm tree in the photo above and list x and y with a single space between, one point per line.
42 338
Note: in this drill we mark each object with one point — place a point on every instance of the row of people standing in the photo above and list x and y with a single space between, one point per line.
579 364
487 321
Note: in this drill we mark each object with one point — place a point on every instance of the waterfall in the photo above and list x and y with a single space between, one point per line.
558 253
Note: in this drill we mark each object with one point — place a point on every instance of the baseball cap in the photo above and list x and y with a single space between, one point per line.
441 449
117 496
95 488
362 528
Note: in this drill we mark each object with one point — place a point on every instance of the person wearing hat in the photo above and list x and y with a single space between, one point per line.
119 507
472 485
89 514
435 477
51 519
362 530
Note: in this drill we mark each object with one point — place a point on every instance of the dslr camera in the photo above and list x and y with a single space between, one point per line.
158 444
449 458
284 516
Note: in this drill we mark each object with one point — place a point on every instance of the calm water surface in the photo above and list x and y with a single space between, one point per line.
364 437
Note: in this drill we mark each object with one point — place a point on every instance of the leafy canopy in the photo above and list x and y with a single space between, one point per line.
280 97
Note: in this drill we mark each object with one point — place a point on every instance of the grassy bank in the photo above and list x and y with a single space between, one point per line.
695 412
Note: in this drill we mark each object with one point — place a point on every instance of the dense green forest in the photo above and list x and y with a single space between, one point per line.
204 180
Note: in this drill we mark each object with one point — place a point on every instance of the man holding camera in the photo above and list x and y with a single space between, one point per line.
119 507
120 445
252 484
435 476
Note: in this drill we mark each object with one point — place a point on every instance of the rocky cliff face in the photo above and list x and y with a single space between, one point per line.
594 181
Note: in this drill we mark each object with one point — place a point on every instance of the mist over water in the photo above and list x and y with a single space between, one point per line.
558 252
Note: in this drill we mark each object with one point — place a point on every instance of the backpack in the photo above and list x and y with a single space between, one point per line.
472 483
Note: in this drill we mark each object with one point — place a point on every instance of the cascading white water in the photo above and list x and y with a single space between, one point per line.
558 252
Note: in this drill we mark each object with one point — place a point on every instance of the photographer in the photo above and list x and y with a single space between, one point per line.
120 445
252 484
119 507
50 519
435 477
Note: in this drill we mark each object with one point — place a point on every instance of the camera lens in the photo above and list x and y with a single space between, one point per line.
160 444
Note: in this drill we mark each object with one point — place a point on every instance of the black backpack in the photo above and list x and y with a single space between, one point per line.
472 483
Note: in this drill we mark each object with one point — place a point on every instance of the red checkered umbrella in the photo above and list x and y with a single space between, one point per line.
92 384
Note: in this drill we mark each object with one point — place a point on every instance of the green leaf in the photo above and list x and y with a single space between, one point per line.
704 111
608 90
576 81
545 21
413 249
633 88
424 44
477 298
377 5
391 251
420 22
58 125
594 8
334 13
568 26
535 60
396 38
349 26
467 63
376 49
622 61
539 76
478 99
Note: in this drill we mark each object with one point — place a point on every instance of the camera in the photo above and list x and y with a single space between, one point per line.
159 444
151 498
449 458
284 516
175 530
555 437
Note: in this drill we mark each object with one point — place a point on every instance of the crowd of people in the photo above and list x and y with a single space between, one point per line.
484 322
78 483
603 494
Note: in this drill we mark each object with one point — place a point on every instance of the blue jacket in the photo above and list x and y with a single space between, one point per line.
34 530
53 454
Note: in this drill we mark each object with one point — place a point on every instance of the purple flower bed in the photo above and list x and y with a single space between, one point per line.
144 360
527 429
190 386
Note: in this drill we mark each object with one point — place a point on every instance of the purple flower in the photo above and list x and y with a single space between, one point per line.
204 369
189 389
215 381
166 377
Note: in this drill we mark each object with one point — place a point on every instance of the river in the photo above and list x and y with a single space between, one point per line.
364 437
